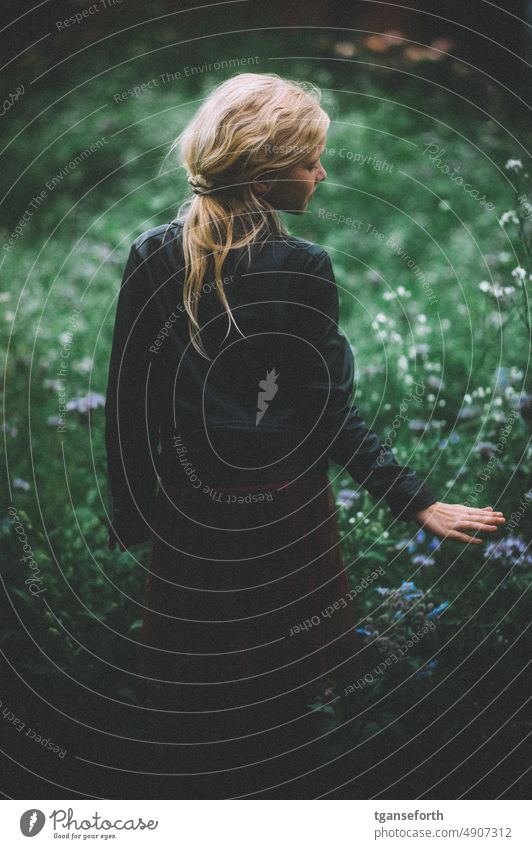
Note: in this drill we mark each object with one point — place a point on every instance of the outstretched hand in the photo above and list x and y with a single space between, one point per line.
448 521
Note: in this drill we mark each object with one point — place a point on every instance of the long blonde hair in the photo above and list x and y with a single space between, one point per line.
251 126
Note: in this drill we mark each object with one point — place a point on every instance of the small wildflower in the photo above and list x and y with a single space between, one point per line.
508 552
435 382
519 273
417 426
347 496
438 610
422 560
502 378
19 483
468 413
90 402
511 215
486 450
514 165
427 669
10 429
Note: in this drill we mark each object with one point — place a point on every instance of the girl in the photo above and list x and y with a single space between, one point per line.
229 392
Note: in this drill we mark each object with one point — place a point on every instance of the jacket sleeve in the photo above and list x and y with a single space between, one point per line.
131 408
348 440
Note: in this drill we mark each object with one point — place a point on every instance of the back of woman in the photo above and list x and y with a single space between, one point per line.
229 392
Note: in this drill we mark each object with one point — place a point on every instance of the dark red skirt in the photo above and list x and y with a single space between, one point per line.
247 601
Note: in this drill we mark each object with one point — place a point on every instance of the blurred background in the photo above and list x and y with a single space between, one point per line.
427 215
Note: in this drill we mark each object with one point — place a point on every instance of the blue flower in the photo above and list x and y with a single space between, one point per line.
407 585
434 544
508 552
7 428
90 402
438 610
420 536
382 590
347 496
426 670
423 560
468 413
502 378
412 596
454 437
442 443
417 426
364 631
486 449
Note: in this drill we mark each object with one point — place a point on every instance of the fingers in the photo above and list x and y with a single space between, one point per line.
464 537
479 526
491 517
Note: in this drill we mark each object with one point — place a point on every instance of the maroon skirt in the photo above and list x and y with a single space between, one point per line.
247 603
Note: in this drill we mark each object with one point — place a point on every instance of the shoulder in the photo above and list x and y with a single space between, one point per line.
156 236
303 257
305 250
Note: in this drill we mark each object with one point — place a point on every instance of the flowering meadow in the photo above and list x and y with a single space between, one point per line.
427 216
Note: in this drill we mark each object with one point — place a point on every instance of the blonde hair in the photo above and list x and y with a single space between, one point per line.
251 127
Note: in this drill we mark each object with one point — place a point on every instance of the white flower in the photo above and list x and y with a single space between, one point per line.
511 215
514 165
509 290
492 288
519 273
19 483
83 366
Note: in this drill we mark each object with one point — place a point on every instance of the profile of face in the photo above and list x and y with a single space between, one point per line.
292 190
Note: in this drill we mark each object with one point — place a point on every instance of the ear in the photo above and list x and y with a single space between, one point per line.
262 188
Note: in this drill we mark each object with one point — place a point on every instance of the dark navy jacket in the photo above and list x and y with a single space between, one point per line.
272 403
